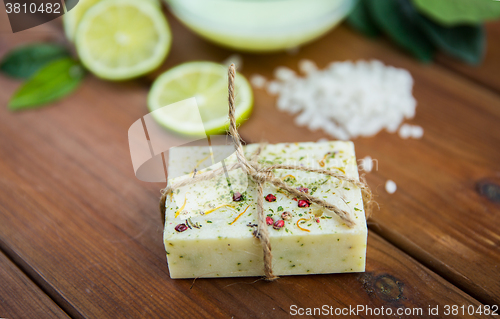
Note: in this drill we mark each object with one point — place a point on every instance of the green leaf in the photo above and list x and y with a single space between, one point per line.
391 17
453 12
54 81
23 62
467 43
361 20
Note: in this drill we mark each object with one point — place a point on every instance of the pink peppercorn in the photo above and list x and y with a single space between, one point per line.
237 197
303 189
278 224
304 203
270 198
181 227
269 220
286 215
317 220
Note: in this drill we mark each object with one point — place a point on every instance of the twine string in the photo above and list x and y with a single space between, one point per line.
260 175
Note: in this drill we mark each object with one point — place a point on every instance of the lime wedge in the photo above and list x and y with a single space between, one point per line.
207 83
122 39
71 19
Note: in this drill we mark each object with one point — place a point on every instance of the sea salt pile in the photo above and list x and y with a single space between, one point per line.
346 99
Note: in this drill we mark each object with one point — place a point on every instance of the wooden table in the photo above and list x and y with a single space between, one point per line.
80 236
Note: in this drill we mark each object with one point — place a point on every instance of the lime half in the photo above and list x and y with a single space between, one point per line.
72 18
122 39
207 83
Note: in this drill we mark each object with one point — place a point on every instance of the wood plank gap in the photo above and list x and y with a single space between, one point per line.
427 260
409 248
20 297
39 281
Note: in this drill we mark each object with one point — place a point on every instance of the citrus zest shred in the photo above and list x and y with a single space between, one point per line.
321 162
199 162
340 169
214 209
239 215
307 230
180 209
289 175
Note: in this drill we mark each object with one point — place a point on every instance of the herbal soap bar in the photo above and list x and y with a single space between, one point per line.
210 226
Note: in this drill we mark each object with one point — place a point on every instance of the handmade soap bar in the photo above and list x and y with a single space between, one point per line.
209 227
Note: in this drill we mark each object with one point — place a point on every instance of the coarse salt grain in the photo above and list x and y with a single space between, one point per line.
417 131
236 59
346 99
413 131
307 66
273 87
367 164
284 74
405 131
390 187
258 81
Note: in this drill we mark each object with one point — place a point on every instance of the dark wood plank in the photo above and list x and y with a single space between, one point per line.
21 298
437 214
486 73
444 212
72 212
117 277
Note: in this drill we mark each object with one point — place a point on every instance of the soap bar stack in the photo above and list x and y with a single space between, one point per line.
210 226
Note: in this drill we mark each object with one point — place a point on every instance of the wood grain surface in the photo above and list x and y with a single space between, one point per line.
437 214
20 298
73 216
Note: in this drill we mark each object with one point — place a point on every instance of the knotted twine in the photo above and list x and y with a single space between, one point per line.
262 174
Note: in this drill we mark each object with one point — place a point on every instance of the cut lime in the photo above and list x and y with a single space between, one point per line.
122 39
207 83
72 18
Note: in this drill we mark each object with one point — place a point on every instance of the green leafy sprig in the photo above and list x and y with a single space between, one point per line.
423 26
50 72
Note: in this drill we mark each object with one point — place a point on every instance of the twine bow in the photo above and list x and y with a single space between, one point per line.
262 174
